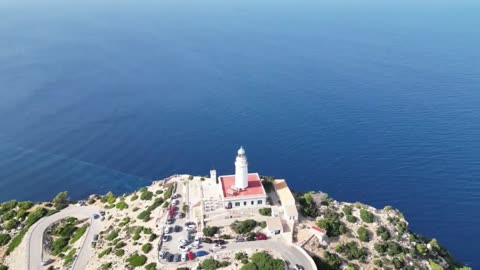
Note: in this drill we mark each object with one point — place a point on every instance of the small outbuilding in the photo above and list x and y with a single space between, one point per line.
290 212
274 226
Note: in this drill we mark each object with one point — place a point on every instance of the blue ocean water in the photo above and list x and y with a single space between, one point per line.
372 101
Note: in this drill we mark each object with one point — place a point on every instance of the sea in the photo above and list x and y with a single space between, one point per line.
368 100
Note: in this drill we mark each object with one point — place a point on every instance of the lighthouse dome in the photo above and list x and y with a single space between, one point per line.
241 151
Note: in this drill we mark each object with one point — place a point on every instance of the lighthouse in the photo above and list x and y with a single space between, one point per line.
241 170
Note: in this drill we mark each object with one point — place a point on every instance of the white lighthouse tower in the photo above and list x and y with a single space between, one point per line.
241 170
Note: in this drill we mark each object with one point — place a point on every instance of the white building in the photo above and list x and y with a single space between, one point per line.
242 189
274 226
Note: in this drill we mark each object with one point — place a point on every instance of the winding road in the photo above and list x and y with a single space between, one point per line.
34 237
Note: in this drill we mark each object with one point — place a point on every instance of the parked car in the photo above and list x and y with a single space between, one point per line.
207 240
180 215
178 228
299 267
167 229
170 221
176 257
162 254
220 241
261 236
190 256
184 257
95 216
201 253
166 238
184 248
95 237
47 262
240 239
217 246
189 223
176 196
184 241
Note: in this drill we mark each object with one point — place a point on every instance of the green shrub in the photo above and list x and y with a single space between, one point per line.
146 196
168 193
351 251
16 240
112 235
243 226
106 266
134 197
383 233
119 252
21 214
144 215
9 215
61 200
387 208
239 256
308 207
109 198
380 248
105 252
422 249
347 209
137 260
363 234
351 219
122 205
59 244
152 237
262 224
210 231
151 266
4 239
332 224
11 224
78 233
158 192
146 248
120 245
263 260
68 259
190 177
212 264
35 215
3 267
434 265
143 189
393 248
366 216
266 211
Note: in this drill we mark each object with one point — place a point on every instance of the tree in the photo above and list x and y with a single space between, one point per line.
61 200
366 216
137 260
210 231
265 261
332 224
151 266
243 226
363 234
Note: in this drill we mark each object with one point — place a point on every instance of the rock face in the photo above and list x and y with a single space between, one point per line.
363 237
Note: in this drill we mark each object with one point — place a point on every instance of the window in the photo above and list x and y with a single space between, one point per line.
252 202
259 202
244 203
237 204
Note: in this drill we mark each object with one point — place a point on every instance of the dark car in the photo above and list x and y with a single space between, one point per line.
176 257
207 240
178 228
299 267
220 242
170 221
169 258
166 238
95 237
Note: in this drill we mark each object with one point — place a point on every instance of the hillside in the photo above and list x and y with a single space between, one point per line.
362 237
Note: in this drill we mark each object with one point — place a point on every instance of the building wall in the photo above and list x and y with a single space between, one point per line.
246 202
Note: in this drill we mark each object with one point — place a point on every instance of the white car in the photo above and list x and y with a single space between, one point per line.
184 242
184 248
184 257
162 254
167 229
217 246
198 239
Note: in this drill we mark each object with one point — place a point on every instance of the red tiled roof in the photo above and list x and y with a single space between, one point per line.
319 229
254 186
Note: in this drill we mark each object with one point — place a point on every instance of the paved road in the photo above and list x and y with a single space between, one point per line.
287 251
35 236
